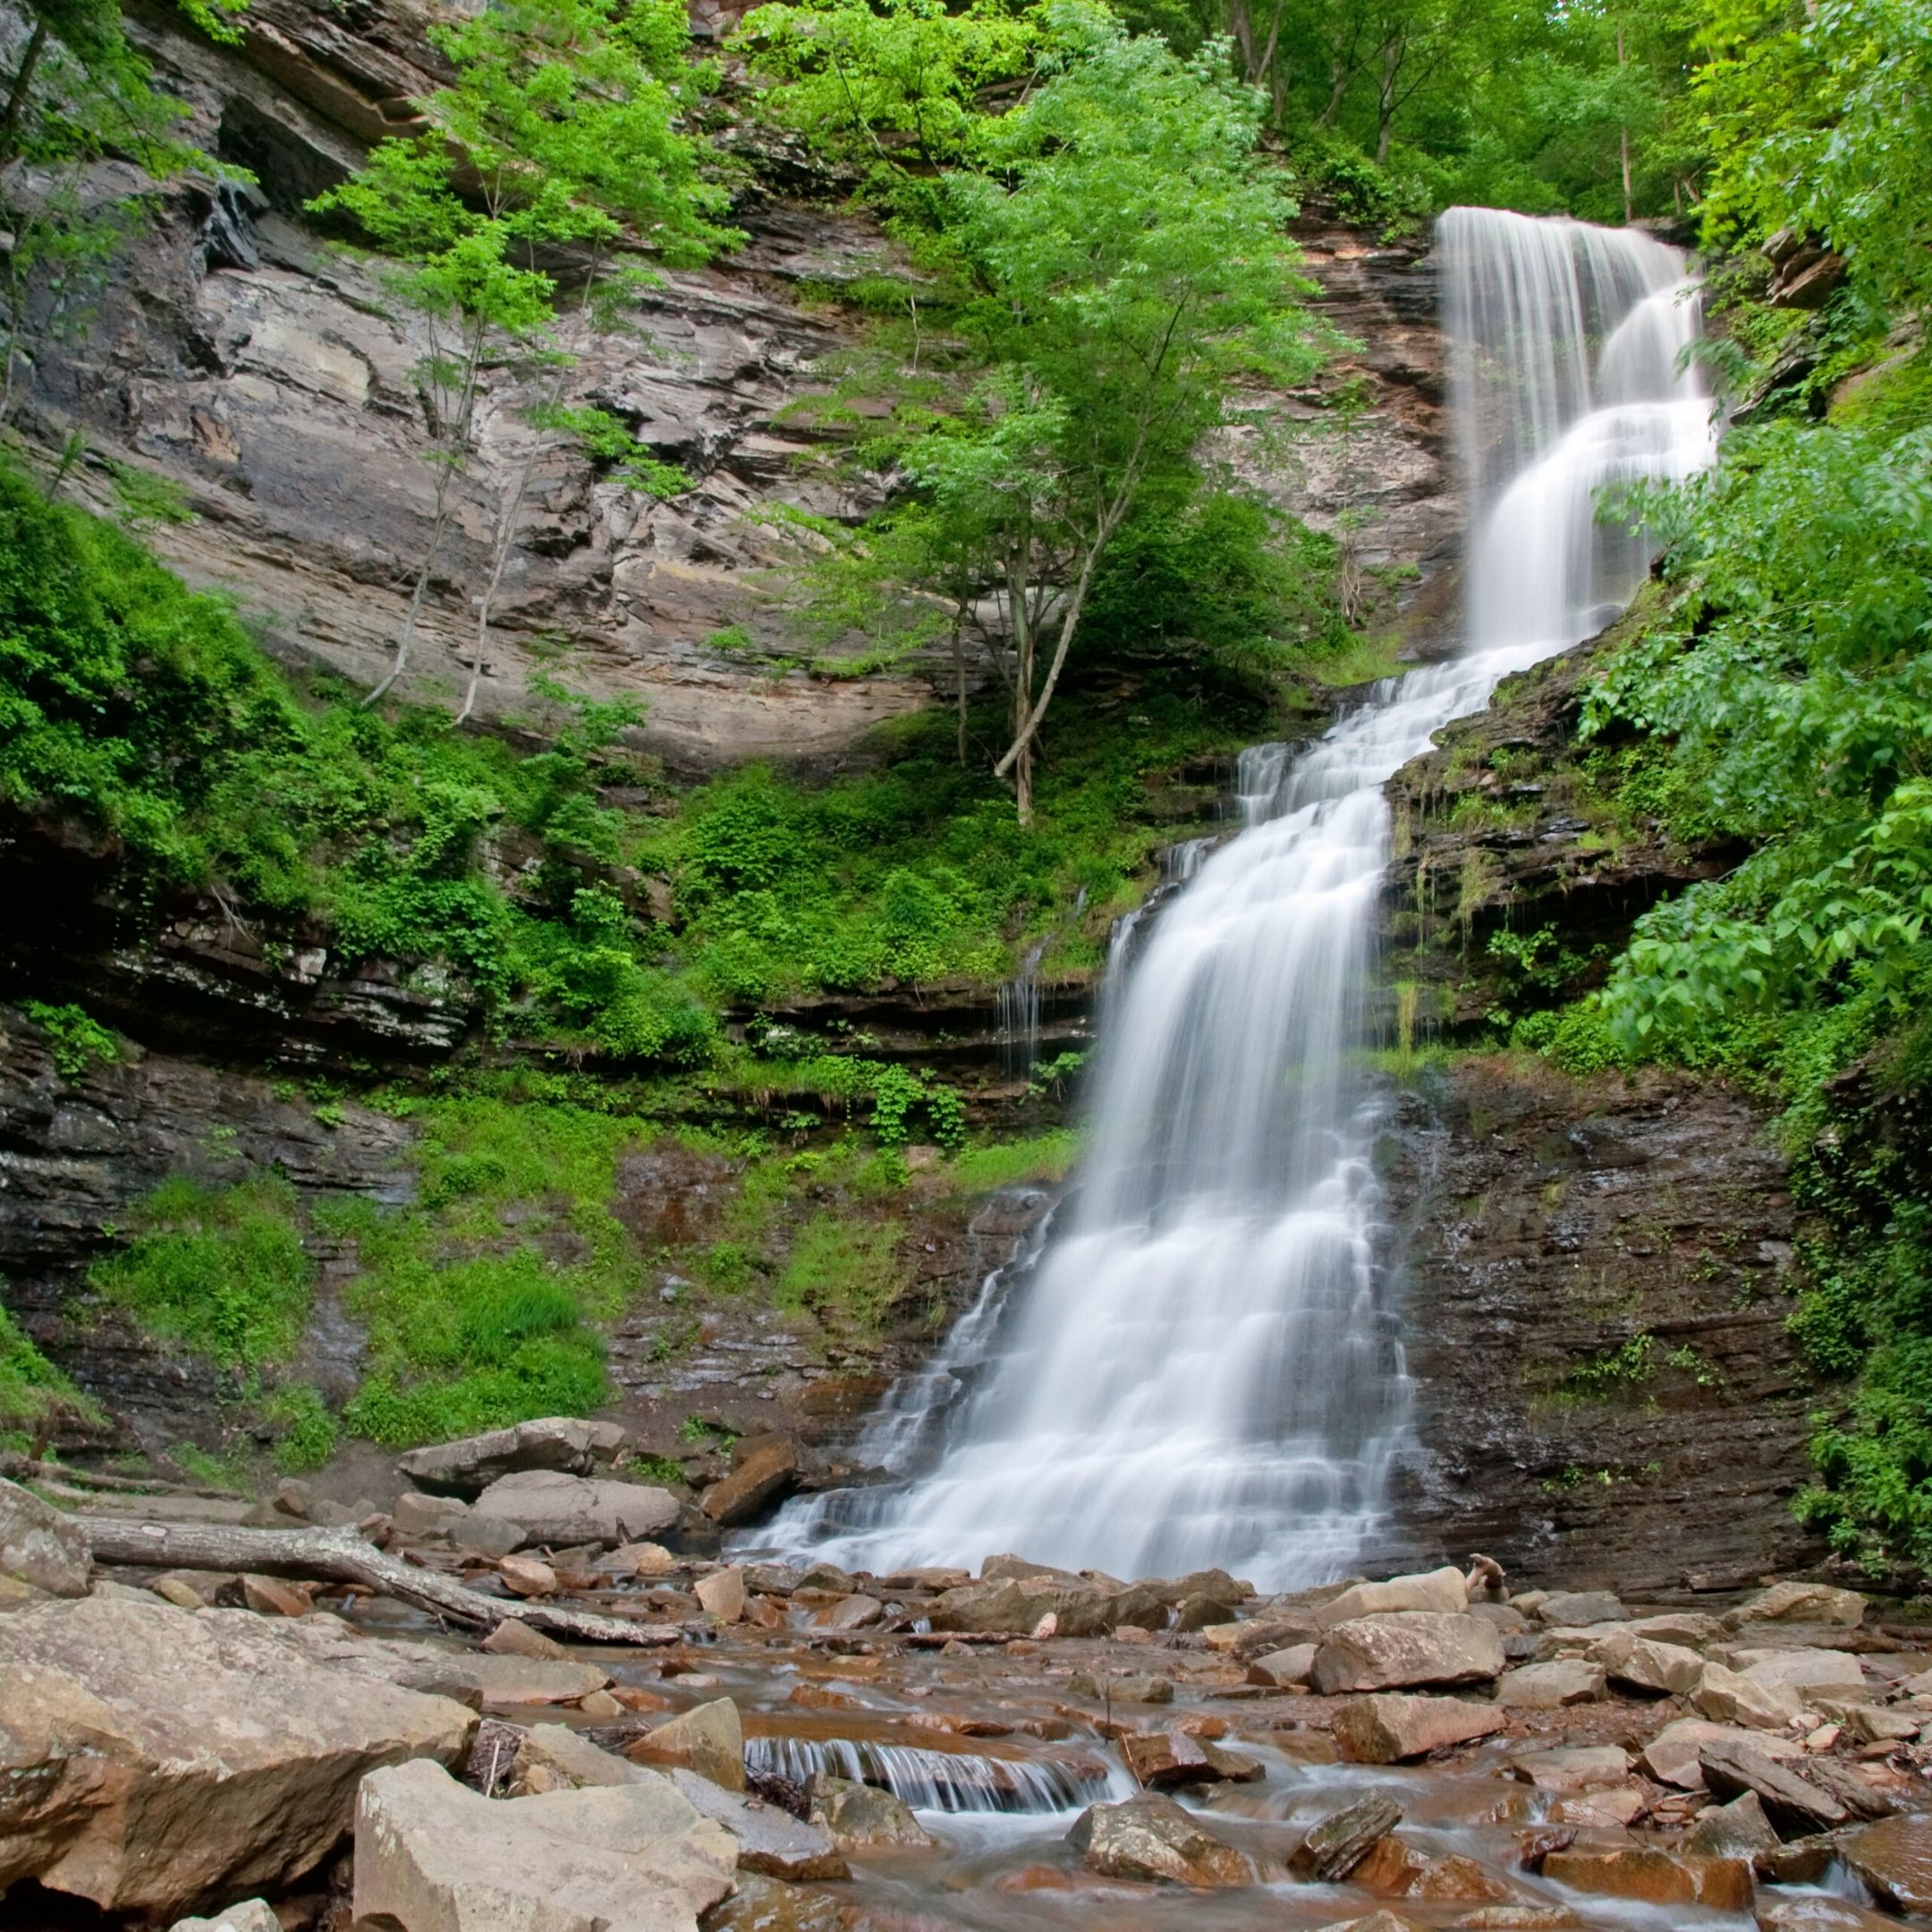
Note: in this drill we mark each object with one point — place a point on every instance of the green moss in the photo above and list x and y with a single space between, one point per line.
221 1271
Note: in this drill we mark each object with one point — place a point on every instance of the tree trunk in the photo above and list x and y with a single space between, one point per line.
10 129
344 1556
1629 208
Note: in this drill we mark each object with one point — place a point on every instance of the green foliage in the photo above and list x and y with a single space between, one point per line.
218 1270
847 1275
34 1395
306 1432
75 1041
983 1167
480 1300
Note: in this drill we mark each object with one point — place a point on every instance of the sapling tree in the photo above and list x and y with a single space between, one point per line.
558 142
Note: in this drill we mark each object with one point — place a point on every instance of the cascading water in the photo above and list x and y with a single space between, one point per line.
1200 1369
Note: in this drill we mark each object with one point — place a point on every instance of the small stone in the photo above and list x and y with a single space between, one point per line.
525 1576
1163 1761
1820 1915
1600 1810
1132 1633
856 1612
600 1706
181 1595
1137 1687
1656 1878
512 1637
1552 1686
643 1559
722 1594
270 1597
1295 1665
251 1915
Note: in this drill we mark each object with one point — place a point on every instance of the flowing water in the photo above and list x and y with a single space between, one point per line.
1200 1367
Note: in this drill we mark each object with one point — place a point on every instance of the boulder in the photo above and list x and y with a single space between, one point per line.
525 1576
1164 1760
1405 1648
1579 1607
1575 1768
435 1857
860 1817
558 1510
653 1560
1728 1697
251 1915
1690 1628
513 1638
477 1535
1339 1843
722 1594
1261 1635
709 1739
471 1464
856 1612
1795 1806
1134 1687
765 1470
1552 1686
1388 1728
1672 1755
1602 1810
1444 1591
1077 1610
39 1546
1894 1857
1152 1839
154 1758
1739 1829
1294 1665
1656 1878
1657 1669
1376 1922
1800 1603
552 1757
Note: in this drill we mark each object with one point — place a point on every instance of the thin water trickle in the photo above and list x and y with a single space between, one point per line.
1201 1368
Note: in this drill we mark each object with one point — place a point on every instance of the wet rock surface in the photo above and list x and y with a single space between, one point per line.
769 1772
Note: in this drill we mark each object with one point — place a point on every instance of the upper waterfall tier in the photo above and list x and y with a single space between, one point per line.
1203 1366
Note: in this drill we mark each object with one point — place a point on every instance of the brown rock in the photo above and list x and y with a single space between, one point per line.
764 1470
1657 1878
1658 1669
1800 1603
1551 1686
1339 1843
270 1597
1600 1810
1278 1667
1672 1755
722 1594
1894 1857
525 1576
1455 1879
1795 1806
512 1637
1391 1865
860 1818
643 1559
1444 1591
709 1739
1739 1829
1518 1919
1820 1915
1728 1697
39 1546
1572 1768
856 1612
1164 1760
1406 1649
1151 1838
1389 1728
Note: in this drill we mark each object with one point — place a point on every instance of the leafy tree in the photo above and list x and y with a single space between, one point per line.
561 137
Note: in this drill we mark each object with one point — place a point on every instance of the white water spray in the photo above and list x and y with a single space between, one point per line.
1200 1369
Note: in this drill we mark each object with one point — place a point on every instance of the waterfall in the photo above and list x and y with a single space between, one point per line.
1201 1366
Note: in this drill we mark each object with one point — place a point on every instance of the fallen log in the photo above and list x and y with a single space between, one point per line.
68 1477
344 1556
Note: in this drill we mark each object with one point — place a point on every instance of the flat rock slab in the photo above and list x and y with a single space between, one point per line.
469 1465
1795 1807
1820 1915
1402 1649
1551 1686
1657 1878
1573 1768
558 1510
1894 1857
501 1679
1442 1590
437 1856
161 1758
1672 1755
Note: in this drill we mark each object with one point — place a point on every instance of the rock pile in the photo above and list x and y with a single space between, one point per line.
197 1741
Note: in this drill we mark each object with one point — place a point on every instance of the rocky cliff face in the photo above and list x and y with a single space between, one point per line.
1595 1270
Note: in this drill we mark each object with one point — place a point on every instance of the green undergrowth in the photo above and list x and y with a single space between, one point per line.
487 1295
35 1397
